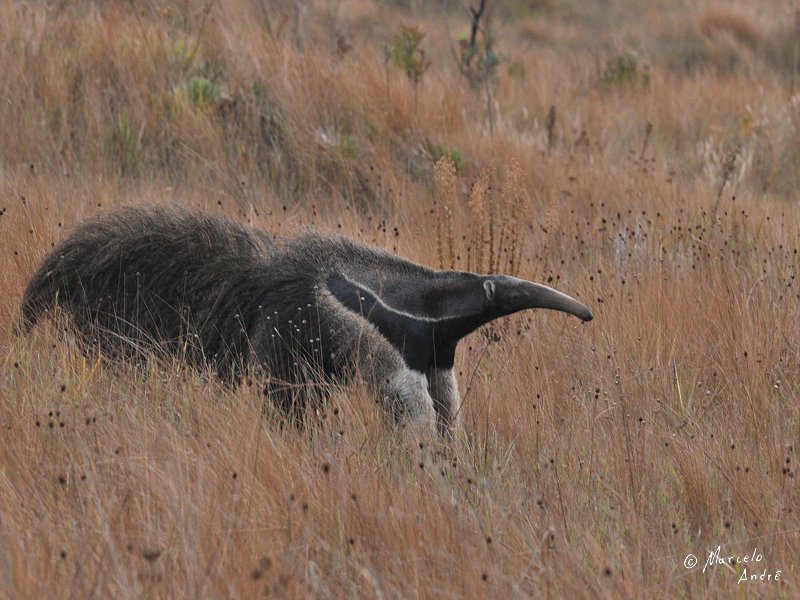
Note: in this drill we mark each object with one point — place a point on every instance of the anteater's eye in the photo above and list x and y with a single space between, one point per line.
488 287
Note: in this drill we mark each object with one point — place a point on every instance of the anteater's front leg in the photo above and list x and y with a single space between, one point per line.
403 392
443 389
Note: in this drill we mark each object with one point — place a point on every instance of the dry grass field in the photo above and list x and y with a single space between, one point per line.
642 156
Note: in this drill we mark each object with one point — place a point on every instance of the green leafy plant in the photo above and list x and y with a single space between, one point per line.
405 53
478 60
439 151
203 91
625 69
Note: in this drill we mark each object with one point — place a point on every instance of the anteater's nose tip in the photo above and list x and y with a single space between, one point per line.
587 316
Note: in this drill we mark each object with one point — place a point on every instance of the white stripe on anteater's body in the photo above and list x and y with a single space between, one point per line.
402 391
314 310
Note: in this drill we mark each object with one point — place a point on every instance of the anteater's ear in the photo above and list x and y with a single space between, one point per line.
488 287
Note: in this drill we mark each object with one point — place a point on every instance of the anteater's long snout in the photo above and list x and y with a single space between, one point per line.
540 296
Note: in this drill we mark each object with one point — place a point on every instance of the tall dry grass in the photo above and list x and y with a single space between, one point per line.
592 459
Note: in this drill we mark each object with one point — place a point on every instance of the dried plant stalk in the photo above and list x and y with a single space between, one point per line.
492 220
514 195
477 208
444 176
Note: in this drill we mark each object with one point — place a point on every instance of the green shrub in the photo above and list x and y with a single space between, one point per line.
202 91
439 150
478 60
624 69
405 53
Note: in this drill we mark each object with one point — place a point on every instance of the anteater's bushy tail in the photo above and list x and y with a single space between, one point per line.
42 293
107 262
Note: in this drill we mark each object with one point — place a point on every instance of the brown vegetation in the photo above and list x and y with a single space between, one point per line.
658 187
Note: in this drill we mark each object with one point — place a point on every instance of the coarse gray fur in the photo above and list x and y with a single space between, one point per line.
316 309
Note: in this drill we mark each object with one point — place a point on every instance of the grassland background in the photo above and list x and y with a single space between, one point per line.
592 458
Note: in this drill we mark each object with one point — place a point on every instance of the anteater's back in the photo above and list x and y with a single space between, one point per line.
149 277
